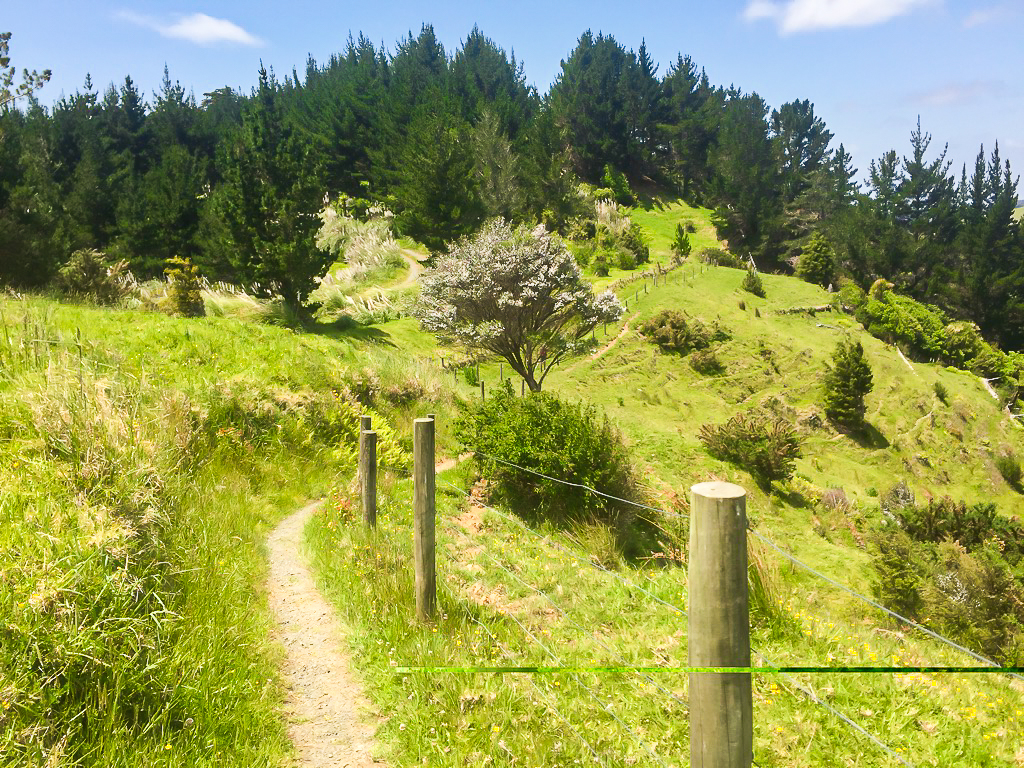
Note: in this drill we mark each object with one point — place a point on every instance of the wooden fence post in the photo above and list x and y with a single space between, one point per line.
368 472
721 704
482 395
423 517
365 425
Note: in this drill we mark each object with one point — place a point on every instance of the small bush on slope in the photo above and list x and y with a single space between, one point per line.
766 448
562 440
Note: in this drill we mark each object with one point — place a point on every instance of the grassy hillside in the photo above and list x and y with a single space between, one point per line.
143 458
511 595
1019 212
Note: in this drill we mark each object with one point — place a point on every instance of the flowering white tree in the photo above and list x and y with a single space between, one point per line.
516 293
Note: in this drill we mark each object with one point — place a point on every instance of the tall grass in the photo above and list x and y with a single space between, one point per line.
136 495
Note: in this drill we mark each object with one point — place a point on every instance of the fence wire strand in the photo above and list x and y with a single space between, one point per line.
808 693
863 598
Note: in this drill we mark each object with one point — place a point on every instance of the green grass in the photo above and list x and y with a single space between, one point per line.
140 472
659 219
1018 212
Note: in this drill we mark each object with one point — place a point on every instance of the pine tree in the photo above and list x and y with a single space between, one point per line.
847 383
681 246
186 295
817 262
264 218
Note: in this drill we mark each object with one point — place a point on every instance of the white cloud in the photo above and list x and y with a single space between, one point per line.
988 15
958 94
806 15
196 28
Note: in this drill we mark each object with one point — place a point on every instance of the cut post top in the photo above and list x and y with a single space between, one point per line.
422 421
716 489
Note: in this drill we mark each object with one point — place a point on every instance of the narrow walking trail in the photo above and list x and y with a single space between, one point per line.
326 707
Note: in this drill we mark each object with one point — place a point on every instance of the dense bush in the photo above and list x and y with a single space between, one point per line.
958 567
1009 467
752 283
635 241
847 382
185 296
626 260
851 295
88 275
720 258
671 330
619 185
765 447
817 263
706 362
567 441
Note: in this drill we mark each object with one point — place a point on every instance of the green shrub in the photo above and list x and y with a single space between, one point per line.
719 258
88 275
567 441
185 296
582 229
1009 467
851 295
673 332
681 246
619 186
817 262
706 362
752 283
601 264
582 252
847 383
691 227
941 392
471 374
765 447
626 260
634 239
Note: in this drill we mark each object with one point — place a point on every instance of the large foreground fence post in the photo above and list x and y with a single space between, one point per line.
368 473
721 704
423 517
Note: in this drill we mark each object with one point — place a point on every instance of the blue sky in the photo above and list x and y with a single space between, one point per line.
870 66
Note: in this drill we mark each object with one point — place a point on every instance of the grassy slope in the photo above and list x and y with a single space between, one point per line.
1019 212
111 460
659 403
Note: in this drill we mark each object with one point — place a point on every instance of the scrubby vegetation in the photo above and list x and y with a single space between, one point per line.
674 331
847 382
765 447
562 440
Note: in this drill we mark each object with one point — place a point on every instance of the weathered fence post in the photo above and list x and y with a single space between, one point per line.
368 472
501 371
423 522
721 704
522 388
365 425
482 395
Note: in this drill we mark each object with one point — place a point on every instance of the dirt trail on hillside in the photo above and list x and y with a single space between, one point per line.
415 269
607 347
326 706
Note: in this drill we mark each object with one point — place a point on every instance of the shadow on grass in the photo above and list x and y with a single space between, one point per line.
867 436
347 328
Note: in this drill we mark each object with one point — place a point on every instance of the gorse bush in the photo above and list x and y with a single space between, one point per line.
719 258
185 296
706 362
752 283
765 447
959 567
88 275
563 440
1009 467
673 331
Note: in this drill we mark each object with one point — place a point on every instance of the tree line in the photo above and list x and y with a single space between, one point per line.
447 140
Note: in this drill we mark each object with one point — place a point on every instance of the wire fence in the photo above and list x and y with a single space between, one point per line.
785 673
677 610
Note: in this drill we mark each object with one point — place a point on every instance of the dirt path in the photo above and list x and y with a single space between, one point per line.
606 348
326 707
415 269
